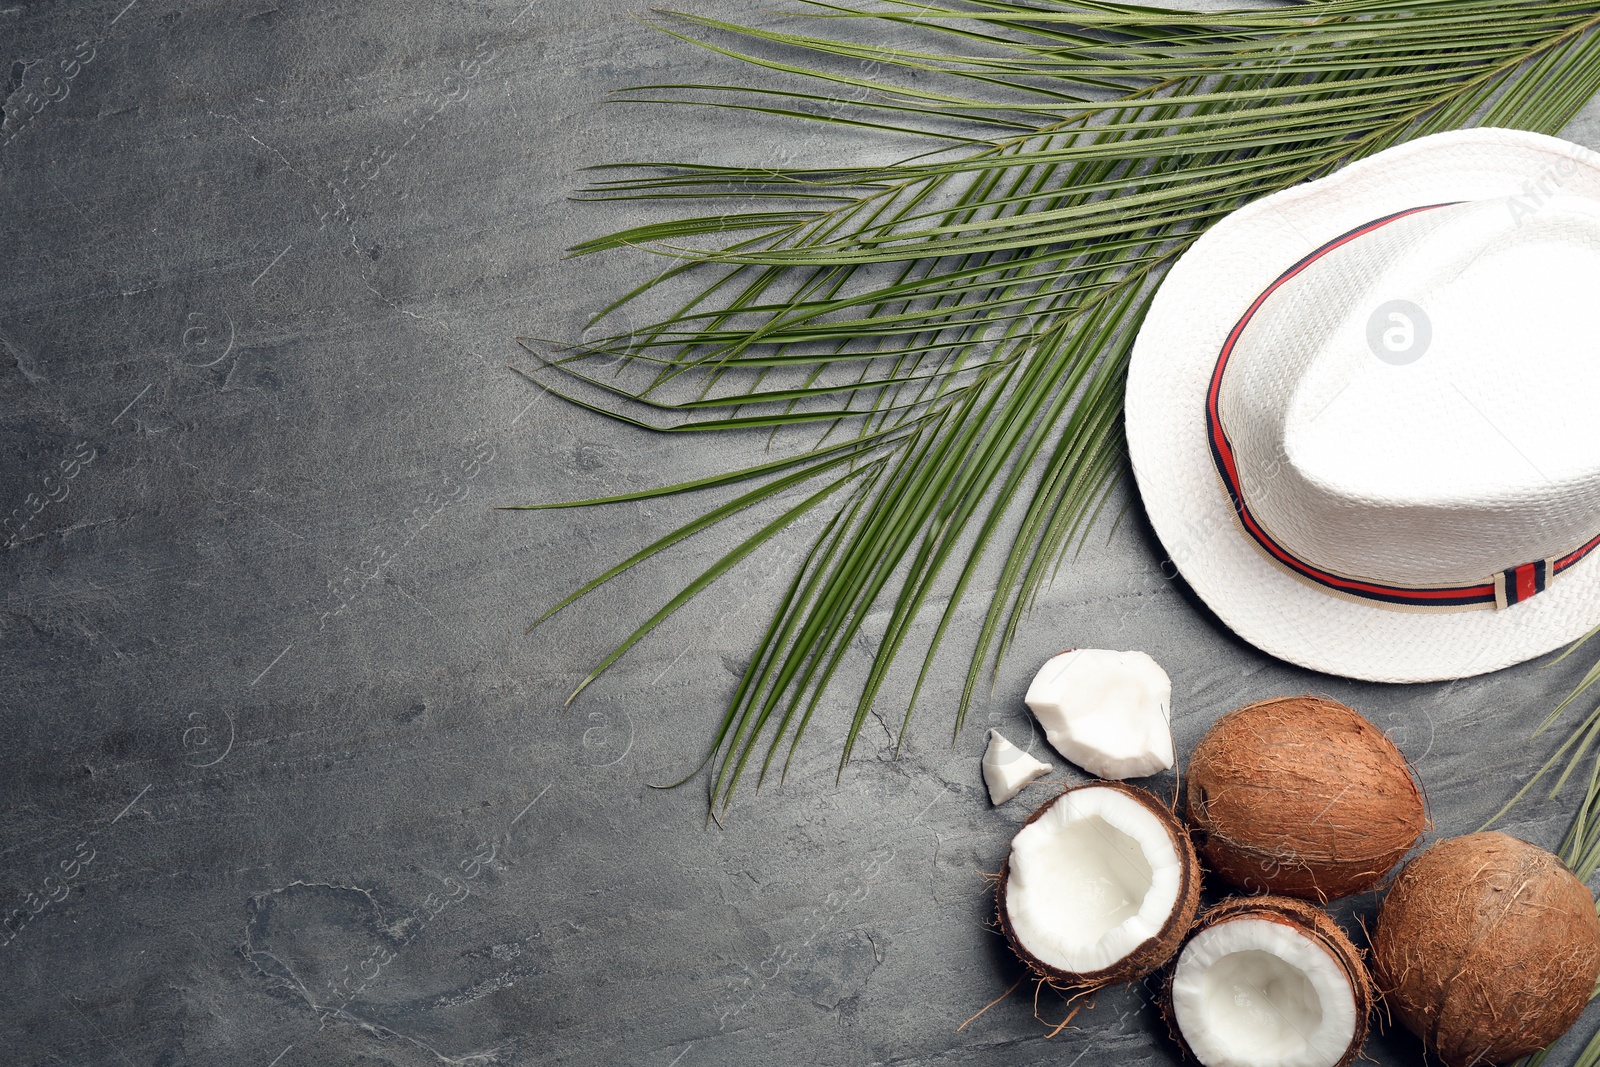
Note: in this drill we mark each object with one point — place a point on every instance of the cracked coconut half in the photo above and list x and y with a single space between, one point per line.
1101 885
1269 982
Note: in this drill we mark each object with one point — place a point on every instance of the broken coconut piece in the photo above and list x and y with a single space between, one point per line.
1108 712
1269 982
1006 768
1100 887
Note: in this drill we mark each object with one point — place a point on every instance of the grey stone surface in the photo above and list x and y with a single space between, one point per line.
285 778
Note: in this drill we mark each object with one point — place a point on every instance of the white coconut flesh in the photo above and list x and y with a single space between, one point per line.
1257 993
1093 878
1108 712
1007 769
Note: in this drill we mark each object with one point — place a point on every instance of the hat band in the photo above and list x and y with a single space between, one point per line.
1511 586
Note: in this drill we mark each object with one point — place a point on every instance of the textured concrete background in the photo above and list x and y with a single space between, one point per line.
267 695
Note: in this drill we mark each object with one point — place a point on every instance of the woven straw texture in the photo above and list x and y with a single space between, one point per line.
1379 511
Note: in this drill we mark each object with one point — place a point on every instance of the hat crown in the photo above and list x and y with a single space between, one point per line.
1416 405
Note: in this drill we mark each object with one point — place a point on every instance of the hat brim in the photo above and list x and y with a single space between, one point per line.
1176 351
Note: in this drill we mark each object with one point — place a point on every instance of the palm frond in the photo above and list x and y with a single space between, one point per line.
958 322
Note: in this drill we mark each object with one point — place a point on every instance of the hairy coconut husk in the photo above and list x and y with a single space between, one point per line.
1152 953
1487 948
1302 796
1310 921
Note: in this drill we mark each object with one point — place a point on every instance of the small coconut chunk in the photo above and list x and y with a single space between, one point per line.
1108 712
1007 769
1260 993
1091 879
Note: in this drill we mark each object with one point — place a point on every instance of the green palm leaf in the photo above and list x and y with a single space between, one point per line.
957 324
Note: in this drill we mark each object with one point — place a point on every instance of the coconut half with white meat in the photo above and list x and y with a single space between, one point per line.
1108 712
1269 982
1100 887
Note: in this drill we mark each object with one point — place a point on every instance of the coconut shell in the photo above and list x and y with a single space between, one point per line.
1487 948
1149 956
1310 921
1301 796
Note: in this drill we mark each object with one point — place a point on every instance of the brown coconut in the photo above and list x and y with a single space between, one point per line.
1154 952
1487 948
1302 796
1310 922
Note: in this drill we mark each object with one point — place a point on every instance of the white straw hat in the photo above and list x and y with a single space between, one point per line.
1364 412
